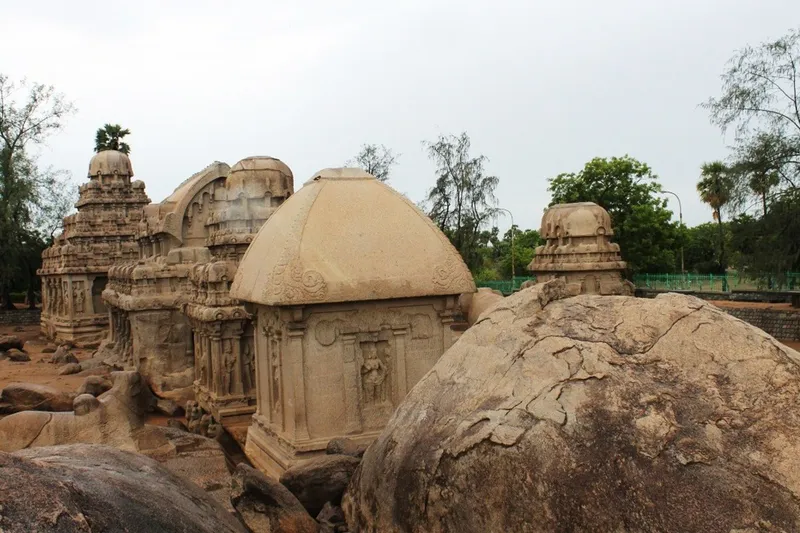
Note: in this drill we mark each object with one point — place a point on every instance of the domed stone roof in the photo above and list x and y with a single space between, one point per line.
345 236
109 162
255 170
583 219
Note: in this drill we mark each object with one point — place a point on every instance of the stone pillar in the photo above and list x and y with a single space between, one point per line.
351 387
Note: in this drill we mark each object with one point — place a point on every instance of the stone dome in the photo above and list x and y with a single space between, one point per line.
259 168
592 413
109 162
345 236
583 219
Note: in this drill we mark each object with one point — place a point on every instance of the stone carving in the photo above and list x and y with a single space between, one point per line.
288 281
190 246
578 248
325 333
344 332
101 234
373 373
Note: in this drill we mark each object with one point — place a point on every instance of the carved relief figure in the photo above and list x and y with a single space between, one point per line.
66 297
229 361
275 368
79 297
373 374
248 367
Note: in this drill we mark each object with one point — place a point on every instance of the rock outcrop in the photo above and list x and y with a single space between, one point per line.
86 488
7 342
266 505
592 413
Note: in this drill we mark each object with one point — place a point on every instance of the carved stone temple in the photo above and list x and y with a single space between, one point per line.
578 248
171 314
354 294
74 270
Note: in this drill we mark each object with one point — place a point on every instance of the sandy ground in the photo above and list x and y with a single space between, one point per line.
37 370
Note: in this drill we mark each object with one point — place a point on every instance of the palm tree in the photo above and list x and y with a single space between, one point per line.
109 137
715 189
761 183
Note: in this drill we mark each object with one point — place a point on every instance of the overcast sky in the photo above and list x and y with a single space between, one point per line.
540 87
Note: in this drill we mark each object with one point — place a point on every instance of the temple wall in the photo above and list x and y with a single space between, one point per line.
332 370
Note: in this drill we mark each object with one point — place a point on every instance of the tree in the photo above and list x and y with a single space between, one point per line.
715 188
109 137
462 200
377 160
627 189
761 183
23 187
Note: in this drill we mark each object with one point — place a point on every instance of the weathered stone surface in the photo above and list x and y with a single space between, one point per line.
177 424
17 397
343 446
319 480
331 519
18 356
266 505
50 348
8 342
592 413
63 356
168 407
95 385
90 488
69 369
474 304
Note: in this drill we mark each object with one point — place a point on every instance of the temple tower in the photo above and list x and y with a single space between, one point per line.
101 234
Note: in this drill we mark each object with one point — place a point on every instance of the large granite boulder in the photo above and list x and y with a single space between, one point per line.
320 480
592 413
85 488
16 397
7 342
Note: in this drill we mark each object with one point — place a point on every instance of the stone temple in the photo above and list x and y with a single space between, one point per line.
354 294
74 270
578 248
171 314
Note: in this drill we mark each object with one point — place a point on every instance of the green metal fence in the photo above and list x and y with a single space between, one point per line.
717 282
507 286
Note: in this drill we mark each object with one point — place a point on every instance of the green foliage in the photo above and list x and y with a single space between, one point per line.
377 160
715 188
628 190
760 102
29 114
109 137
701 248
462 200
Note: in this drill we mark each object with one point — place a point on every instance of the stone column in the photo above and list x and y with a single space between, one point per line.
352 399
297 397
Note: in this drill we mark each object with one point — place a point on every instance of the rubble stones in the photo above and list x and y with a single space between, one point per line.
320 480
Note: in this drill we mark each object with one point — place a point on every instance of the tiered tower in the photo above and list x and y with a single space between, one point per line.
579 250
101 234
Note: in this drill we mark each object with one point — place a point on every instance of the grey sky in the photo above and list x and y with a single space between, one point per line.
540 87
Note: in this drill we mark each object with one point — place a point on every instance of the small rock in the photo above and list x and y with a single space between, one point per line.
97 362
17 355
63 356
177 424
94 385
50 348
8 342
69 369
266 505
320 480
343 446
168 407
19 329
3 356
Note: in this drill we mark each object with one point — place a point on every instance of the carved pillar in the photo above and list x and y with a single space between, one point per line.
236 385
401 379
351 372
296 371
